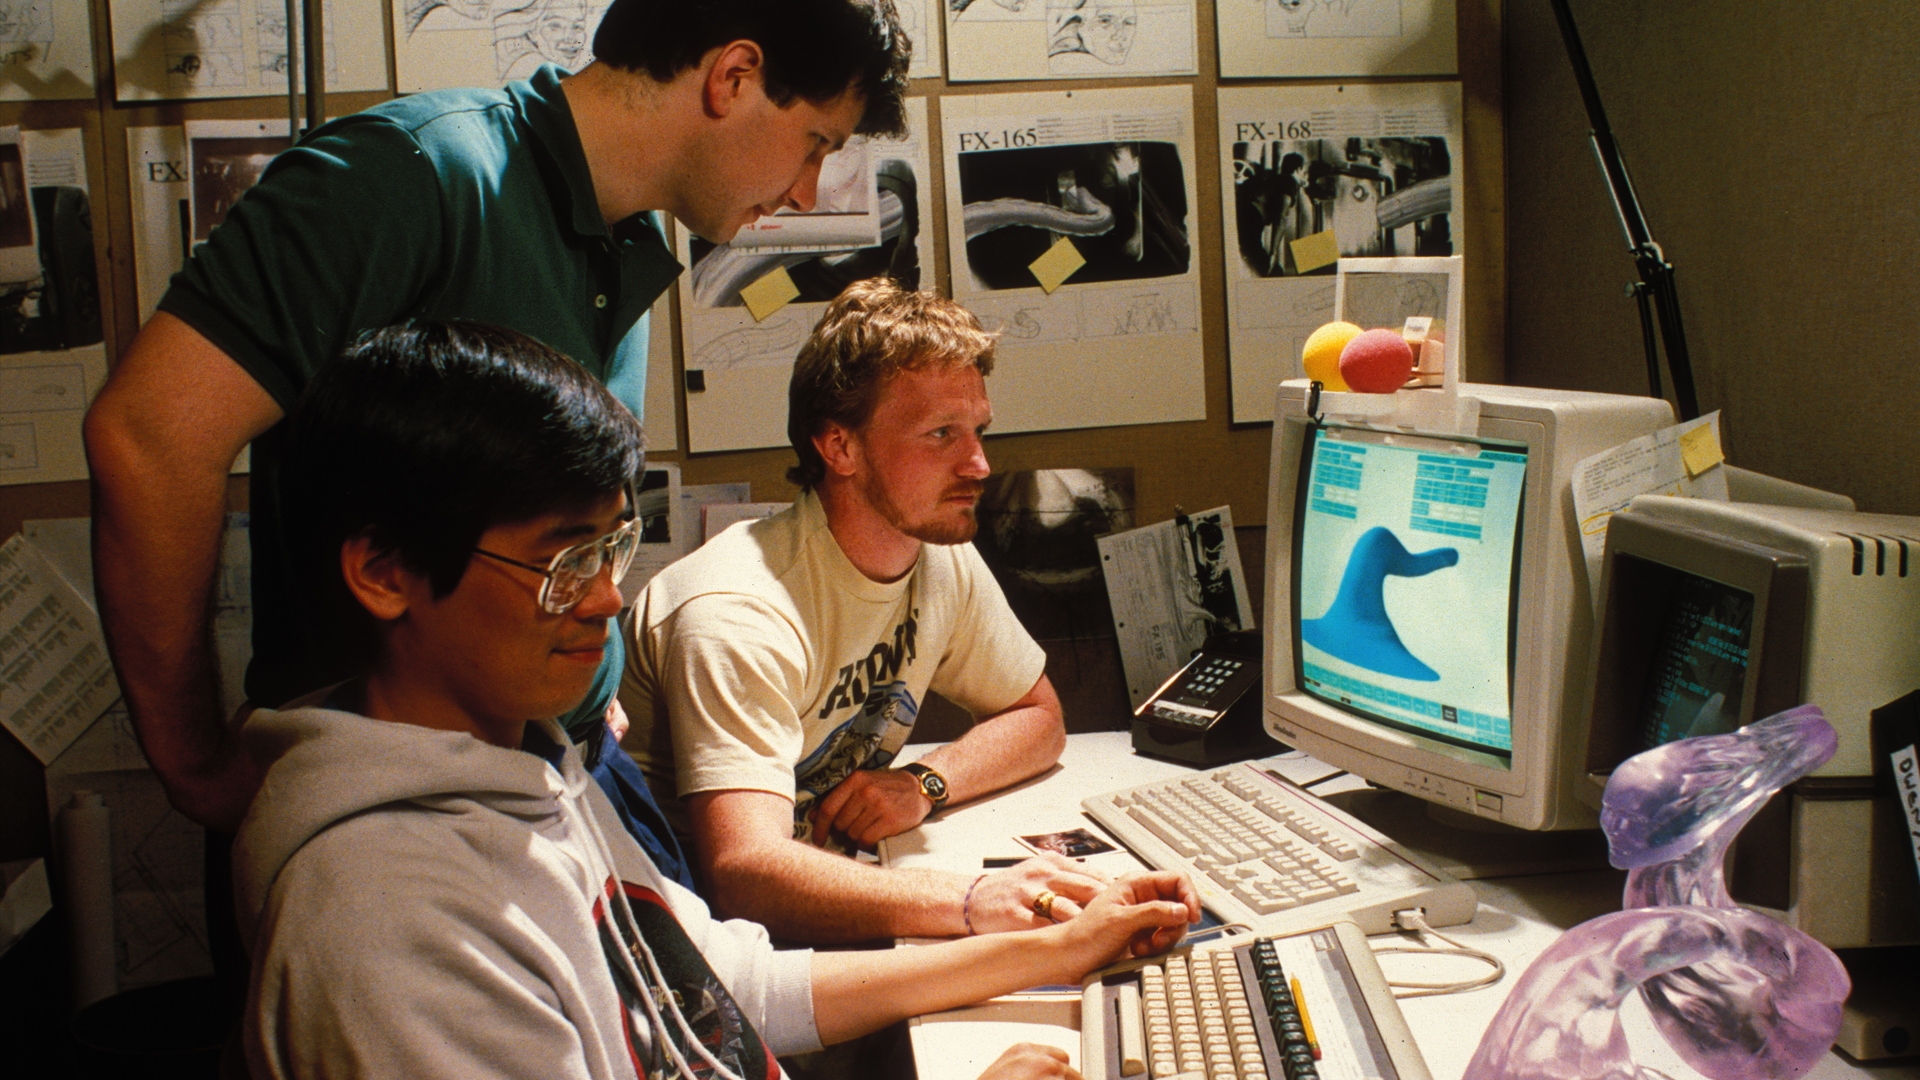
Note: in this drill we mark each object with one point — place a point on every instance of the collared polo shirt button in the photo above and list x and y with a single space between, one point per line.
600 301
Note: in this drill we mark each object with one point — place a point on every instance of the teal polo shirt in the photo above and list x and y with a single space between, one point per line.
460 204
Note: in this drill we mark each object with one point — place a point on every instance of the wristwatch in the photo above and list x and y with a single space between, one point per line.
932 784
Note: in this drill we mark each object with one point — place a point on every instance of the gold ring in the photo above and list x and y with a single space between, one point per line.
1043 904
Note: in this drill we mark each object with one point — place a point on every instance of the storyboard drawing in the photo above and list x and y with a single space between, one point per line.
1311 175
1069 39
447 43
1098 184
869 220
1336 38
237 48
46 50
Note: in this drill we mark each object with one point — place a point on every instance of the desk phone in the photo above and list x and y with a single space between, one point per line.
1208 713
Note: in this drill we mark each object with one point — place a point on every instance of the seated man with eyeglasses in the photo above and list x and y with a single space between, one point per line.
429 883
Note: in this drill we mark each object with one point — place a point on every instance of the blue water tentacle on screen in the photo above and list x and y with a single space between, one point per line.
1357 628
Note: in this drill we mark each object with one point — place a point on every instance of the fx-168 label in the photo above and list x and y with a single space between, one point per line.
1259 131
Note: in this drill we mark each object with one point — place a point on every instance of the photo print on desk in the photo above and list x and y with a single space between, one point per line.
1107 176
1309 175
738 360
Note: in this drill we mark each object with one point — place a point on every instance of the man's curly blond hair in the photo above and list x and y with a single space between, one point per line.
872 331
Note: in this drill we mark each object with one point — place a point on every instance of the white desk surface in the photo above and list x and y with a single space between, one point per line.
1517 919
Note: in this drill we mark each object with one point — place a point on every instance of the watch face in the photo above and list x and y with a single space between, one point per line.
932 784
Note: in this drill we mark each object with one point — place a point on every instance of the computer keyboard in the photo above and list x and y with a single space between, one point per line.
1265 853
1298 1006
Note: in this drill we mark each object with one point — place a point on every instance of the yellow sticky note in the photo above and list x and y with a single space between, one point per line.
1054 268
770 293
1700 449
1316 251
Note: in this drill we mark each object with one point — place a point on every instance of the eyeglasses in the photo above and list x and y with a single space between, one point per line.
571 573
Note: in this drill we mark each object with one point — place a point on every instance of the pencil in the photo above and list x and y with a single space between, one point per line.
1306 1020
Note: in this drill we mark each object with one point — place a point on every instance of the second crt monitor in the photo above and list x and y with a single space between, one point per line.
1717 614
1428 615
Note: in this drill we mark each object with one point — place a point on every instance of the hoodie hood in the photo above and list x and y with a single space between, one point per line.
310 751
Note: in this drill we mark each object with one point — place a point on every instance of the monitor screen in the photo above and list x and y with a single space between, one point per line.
1697 633
1697 677
1428 618
1404 568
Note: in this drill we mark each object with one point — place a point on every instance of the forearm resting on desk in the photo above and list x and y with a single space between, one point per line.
1020 741
757 870
803 893
858 992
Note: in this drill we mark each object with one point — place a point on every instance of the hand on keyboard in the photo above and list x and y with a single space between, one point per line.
1031 1061
1007 899
1140 914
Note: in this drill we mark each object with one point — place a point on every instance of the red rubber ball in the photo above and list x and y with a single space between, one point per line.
1376 362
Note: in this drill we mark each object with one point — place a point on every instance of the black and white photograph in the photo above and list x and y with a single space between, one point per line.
16 214
1378 197
1123 205
653 505
720 271
224 167
1037 534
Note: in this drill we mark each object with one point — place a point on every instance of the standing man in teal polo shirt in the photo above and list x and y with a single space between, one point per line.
533 207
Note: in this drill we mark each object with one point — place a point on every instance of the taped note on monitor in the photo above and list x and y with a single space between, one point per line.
1655 464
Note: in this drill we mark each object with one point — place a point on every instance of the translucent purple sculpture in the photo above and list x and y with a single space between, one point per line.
1735 993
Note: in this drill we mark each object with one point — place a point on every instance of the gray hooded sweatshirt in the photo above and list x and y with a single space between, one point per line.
420 903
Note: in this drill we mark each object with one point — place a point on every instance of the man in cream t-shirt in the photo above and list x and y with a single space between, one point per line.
778 670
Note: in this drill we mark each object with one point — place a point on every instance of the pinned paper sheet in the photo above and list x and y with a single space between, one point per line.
1166 598
1310 253
1700 449
1663 463
1059 263
58 678
769 294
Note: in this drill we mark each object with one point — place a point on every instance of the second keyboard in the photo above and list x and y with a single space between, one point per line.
1263 852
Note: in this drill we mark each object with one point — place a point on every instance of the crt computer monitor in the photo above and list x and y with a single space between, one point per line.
1428 614
1717 614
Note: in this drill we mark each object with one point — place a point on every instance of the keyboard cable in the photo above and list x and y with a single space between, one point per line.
1414 920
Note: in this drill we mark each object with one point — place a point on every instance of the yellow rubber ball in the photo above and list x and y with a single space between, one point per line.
1321 355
